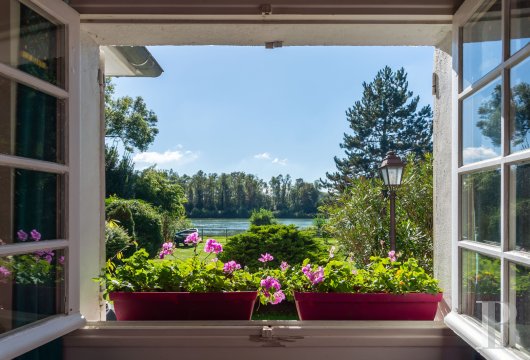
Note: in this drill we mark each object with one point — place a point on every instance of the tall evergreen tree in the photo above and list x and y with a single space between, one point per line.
385 119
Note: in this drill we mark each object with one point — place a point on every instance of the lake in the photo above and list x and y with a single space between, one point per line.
235 226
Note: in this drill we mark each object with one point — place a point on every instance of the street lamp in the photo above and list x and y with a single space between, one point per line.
392 171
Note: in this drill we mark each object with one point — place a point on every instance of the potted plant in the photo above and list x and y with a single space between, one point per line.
193 289
385 289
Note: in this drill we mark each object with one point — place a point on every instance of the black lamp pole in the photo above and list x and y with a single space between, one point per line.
391 171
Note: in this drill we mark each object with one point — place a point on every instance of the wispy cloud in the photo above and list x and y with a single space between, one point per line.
165 159
281 162
472 154
263 156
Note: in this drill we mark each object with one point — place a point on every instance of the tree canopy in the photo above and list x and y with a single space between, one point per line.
385 119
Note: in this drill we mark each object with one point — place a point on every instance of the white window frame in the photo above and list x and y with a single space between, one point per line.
463 325
31 336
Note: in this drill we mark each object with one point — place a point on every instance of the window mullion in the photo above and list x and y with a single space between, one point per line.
33 164
29 247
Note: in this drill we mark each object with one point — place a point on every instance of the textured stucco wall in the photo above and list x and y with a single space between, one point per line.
442 165
91 196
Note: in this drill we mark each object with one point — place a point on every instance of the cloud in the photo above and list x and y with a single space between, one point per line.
165 159
279 162
263 156
472 154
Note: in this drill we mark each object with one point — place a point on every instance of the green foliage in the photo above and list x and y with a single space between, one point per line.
29 269
385 119
146 225
116 239
120 175
128 120
359 217
262 217
284 242
157 188
380 275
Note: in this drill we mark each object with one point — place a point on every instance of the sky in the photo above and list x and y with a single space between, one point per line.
261 111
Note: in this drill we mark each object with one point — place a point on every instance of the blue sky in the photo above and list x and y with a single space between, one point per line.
266 112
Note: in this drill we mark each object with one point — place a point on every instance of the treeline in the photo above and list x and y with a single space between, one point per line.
238 193
210 195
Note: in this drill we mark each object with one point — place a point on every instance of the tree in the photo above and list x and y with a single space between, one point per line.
385 119
128 120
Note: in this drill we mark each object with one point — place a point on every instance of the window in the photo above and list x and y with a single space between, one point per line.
38 172
493 174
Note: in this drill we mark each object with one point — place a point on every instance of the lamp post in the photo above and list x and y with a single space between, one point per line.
392 171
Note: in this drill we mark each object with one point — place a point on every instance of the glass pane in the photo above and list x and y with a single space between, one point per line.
31 206
31 123
481 204
520 296
481 288
481 124
36 45
482 47
520 106
31 288
520 206
520 24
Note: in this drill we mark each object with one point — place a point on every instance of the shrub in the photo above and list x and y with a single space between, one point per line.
146 227
262 217
284 242
116 239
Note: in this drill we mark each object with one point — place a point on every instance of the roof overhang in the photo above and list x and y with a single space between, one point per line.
134 61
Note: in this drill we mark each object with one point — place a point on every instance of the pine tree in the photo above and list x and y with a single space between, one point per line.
384 120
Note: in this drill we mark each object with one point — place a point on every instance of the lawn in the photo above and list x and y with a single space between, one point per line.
185 252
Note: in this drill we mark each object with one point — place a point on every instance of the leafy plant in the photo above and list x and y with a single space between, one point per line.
116 239
262 217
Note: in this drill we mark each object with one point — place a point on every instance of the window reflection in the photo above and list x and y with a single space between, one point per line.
519 24
481 285
482 49
481 124
481 200
520 107
520 296
520 207
31 287
32 203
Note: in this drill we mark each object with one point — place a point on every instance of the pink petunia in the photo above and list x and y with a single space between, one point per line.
392 255
278 297
212 246
192 238
35 235
284 266
316 276
231 266
22 235
167 249
266 258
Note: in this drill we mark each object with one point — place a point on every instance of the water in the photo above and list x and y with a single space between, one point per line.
229 227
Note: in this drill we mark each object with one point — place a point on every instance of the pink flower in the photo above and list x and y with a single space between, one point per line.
213 246
316 276
192 238
22 235
46 254
284 266
35 235
231 266
392 255
270 284
266 258
167 249
278 297
4 271
61 260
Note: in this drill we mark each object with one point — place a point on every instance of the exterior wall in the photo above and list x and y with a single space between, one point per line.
92 180
442 165
266 340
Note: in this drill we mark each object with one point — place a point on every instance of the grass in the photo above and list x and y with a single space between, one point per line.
186 252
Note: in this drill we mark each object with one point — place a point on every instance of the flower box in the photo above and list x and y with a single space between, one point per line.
237 305
367 306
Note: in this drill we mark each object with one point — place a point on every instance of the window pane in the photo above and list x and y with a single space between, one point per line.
31 206
31 288
35 45
481 204
520 206
520 24
481 124
520 296
482 48
31 123
481 287
520 106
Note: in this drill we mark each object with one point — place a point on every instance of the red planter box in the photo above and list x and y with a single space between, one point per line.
347 306
183 305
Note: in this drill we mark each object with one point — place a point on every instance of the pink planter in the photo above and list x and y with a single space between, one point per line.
346 306
183 305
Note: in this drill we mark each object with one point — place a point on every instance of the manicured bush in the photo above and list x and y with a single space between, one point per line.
283 242
146 227
116 240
